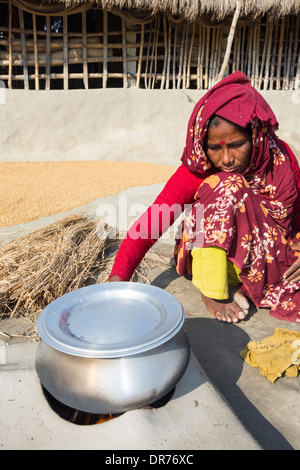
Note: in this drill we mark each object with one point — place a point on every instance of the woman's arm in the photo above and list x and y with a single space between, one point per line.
178 191
292 274
296 171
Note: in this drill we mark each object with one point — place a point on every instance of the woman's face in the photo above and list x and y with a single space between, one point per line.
228 148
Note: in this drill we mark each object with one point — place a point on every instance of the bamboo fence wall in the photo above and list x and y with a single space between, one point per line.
98 49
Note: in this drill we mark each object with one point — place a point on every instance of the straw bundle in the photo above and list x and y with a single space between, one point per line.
37 268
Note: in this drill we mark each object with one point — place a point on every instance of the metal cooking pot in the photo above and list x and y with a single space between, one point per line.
113 347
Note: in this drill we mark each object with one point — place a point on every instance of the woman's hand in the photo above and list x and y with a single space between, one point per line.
115 279
293 273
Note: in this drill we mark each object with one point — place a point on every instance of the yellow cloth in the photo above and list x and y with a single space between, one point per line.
212 272
275 355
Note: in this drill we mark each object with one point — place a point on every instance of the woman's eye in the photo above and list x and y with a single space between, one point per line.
214 147
237 145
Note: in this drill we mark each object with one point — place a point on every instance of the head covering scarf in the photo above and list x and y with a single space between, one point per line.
269 173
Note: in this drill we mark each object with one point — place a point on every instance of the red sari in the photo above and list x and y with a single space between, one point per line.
249 215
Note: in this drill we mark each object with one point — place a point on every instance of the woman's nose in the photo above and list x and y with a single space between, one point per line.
227 157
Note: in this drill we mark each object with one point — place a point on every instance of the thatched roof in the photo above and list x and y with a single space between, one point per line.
187 9
191 9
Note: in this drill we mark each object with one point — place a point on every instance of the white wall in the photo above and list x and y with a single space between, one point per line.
112 124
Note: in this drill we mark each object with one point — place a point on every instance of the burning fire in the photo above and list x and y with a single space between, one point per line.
105 418
76 416
80 417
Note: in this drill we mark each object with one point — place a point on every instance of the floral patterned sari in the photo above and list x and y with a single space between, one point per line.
249 214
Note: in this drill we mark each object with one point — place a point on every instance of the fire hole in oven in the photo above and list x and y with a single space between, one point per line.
84 418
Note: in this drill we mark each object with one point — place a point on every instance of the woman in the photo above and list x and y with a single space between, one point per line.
231 139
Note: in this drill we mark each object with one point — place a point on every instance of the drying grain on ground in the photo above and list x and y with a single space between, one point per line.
30 190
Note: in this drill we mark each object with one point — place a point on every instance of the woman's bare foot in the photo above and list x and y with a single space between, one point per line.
239 297
230 310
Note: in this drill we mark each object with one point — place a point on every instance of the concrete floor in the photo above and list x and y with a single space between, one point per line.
196 418
265 415
270 412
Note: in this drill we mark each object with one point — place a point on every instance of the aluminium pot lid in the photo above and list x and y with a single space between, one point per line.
111 320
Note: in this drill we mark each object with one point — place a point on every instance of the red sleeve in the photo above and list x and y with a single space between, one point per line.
296 171
178 191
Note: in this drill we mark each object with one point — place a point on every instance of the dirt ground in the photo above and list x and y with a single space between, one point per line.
30 190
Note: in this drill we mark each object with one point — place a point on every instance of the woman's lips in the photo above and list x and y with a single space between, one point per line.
230 170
